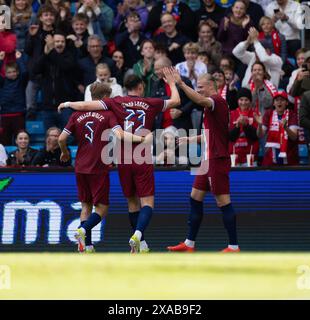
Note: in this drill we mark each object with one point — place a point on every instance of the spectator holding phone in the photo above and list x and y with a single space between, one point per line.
302 82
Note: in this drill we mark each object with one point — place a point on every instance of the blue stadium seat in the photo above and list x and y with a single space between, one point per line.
73 151
303 154
9 149
36 131
35 127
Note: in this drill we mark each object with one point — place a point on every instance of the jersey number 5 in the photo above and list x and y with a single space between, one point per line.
90 136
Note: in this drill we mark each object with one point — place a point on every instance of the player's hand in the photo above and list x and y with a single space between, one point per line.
65 156
175 113
60 107
2 55
148 139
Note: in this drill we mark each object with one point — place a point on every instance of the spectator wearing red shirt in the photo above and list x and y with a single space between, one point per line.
7 44
281 129
243 127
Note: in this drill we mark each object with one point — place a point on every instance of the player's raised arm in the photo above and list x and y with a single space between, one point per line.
175 99
82 105
191 93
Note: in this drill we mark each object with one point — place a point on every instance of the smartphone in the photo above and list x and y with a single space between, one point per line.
304 67
276 11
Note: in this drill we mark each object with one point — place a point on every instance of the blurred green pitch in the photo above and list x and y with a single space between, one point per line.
154 276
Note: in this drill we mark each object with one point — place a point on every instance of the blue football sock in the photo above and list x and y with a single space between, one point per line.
88 234
229 220
144 218
194 219
133 218
91 222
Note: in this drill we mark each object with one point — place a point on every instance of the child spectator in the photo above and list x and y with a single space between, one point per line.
12 98
7 45
103 75
191 68
63 15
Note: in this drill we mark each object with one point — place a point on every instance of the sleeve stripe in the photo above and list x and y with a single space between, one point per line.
165 105
104 106
67 131
116 127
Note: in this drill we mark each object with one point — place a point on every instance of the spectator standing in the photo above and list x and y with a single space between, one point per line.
24 154
280 127
119 60
12 98
191 68
212 13
243 126
87 65
103 75
287 16
171 38
208 43
129 41
185 18
57 68
263 53
304 116
234 29
63 15
22 17
7 45
144 68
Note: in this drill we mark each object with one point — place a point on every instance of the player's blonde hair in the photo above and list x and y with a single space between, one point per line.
100 90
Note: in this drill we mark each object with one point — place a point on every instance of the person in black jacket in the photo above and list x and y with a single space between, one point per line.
185 17
24 154
57 68
34 48
179 117
50 155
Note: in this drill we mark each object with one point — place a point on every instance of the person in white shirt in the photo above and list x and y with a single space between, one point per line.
3 156
191 68
103 74
263 53
288 18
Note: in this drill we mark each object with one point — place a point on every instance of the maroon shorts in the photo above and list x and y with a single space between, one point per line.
93 188
137 179
216 179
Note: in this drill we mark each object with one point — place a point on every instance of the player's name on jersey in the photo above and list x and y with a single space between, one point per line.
135 104
95 115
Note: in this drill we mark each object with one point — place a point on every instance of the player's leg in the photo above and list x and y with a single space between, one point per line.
229 219
220 188
145 186
99 185
85 214
194 221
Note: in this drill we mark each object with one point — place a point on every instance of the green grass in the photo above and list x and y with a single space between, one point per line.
154 276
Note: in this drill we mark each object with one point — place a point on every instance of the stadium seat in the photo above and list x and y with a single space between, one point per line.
303 154
9 149
36 131
73 151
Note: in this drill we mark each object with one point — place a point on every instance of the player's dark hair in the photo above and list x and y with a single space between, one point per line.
132 81
100 90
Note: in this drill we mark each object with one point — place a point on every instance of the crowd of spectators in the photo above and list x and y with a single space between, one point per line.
55 49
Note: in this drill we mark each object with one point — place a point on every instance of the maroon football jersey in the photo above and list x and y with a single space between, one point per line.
87 128
135 113
216 125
